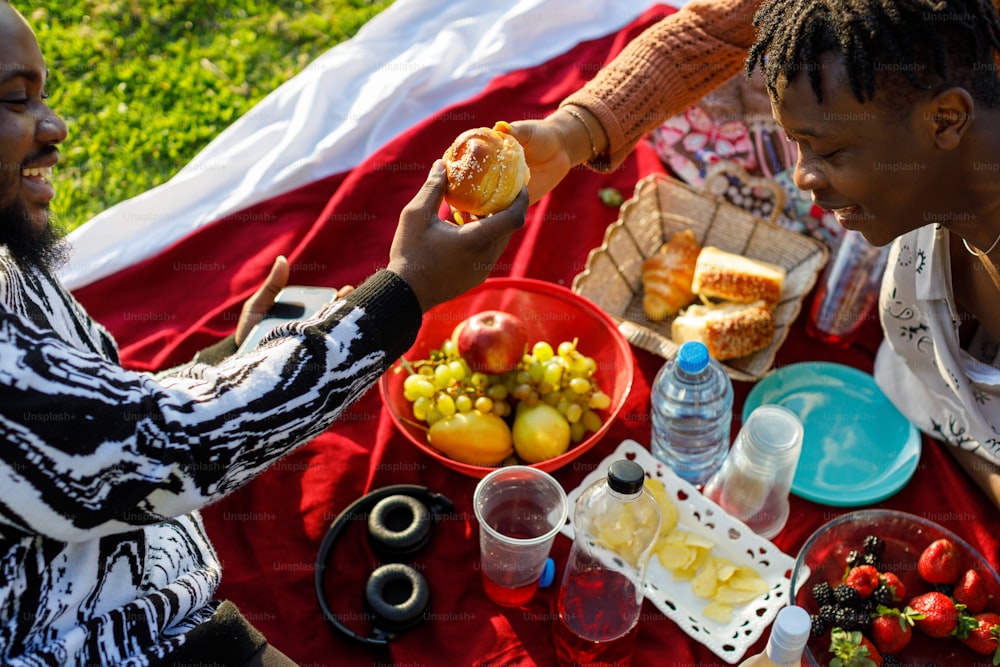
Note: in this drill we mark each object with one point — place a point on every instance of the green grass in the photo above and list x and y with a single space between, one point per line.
143 85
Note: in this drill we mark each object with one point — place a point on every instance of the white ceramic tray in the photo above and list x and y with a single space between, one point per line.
733 540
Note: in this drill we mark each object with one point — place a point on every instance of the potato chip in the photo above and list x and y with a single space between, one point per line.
726 593
688 557
726 569
705 583
675 556
695 540
746 579
718 612
668 510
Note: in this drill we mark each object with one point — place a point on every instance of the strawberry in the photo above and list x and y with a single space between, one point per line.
892 629
941 616
971 591
852 649
864 579
985 637
940 562
893 583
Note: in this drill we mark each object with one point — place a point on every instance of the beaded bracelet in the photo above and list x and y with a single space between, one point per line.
590 135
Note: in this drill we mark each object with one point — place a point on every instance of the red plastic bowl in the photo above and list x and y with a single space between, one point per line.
550 312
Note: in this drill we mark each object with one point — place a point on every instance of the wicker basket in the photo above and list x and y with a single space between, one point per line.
661 206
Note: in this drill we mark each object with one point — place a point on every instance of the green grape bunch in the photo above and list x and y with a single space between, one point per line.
443 384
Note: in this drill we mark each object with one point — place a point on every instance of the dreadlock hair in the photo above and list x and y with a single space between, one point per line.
918 45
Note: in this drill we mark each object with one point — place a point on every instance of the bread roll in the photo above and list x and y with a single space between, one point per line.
486 170
667 276
728 330
723 275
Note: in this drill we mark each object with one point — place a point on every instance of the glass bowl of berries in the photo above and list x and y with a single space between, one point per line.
891 588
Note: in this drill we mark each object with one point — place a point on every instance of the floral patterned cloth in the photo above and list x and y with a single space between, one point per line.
950 393
734 124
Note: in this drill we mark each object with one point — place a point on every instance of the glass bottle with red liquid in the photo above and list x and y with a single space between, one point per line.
616 523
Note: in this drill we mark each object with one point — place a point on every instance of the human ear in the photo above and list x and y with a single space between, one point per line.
949 116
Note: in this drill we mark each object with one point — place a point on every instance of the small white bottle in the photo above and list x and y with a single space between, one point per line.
787 642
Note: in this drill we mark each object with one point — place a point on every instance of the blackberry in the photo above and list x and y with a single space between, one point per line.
882 595
823 593
871 559
867 605
846 596
819 625
843 618
890 661
861 620
853 558
947 589
826 612
875 545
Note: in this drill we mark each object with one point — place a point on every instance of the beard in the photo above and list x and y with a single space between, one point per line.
28 245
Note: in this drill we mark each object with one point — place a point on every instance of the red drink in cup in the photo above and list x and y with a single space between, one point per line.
520 509
509 597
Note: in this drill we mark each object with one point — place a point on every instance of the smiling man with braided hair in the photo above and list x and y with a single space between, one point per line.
895 109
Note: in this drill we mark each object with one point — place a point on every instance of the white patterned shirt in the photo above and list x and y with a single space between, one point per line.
950 393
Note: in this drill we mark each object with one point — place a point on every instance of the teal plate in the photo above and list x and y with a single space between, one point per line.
857 448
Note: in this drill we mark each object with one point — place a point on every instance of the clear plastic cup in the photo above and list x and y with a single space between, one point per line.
848 291
520 510
755 479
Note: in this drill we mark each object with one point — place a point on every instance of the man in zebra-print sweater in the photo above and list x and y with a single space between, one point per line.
103 556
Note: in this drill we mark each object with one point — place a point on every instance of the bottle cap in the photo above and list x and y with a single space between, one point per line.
626 477
692 356
789 634
548 573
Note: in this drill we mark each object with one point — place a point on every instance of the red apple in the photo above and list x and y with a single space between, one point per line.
491 341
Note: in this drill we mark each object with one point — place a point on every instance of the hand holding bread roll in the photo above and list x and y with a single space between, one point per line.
486 170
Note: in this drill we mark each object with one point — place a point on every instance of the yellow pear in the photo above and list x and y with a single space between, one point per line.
472 437
540 432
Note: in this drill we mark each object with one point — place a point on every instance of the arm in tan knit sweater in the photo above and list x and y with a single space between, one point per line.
666 69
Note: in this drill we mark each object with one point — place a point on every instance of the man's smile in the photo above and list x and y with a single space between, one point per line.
38 184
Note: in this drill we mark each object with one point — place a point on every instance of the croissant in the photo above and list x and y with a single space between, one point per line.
667 276
486 170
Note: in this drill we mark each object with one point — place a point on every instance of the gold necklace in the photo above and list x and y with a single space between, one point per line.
976 252
984 257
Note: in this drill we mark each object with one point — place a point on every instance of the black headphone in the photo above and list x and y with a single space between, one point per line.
399 522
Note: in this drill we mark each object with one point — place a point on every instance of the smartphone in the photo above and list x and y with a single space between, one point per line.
295 302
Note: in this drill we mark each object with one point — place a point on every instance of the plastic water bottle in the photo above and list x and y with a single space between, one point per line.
787 642
615 523
692 410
